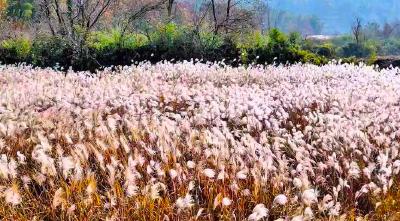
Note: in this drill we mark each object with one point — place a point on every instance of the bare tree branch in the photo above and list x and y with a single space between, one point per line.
102 10
357 29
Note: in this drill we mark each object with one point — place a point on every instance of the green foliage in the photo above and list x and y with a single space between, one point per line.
167 42
244 56
171 41
295 39
253 40
209 41
20 9
135 41
18 49
372 58
308 57
103 40
168 35
342 41
51 51
357 50
276 49
390 46
350 60
277 40
308 45
280 48
326 50
109 40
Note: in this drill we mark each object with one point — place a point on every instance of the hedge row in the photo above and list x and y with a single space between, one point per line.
104 49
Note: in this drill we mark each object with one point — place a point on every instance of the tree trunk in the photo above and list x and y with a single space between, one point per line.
214 17
228 13
169 7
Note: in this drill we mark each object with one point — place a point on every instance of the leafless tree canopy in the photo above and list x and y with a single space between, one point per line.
357 30
71 16
230 15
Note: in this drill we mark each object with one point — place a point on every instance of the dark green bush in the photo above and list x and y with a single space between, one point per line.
390 46
309 57
350 60
357 50
15 50
279 46
326 50
51 52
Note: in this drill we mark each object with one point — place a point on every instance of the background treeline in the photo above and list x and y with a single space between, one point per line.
167 42
90 34
338 16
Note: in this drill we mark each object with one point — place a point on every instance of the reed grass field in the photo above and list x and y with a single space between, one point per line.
198 141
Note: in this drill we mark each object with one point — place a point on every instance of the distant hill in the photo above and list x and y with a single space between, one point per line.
338 15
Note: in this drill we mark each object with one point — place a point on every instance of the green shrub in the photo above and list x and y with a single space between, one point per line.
295 40
357 50
18 49
308 45
390 46
350 60
326 50
280 48
48 51
102 40
253 40
342 41
278 43
309 57
183 43
209 41
133 41
167 35
372 59
110 40
228 51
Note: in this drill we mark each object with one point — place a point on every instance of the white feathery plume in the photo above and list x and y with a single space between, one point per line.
309 197
259 212
12 195
280 200
210 173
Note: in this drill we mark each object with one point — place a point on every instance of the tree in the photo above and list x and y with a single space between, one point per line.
214 15
3 22
136 10
372 30
388 29
169 7
357 30
261 10
200 13
20 9
268 14
74 19
231 15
